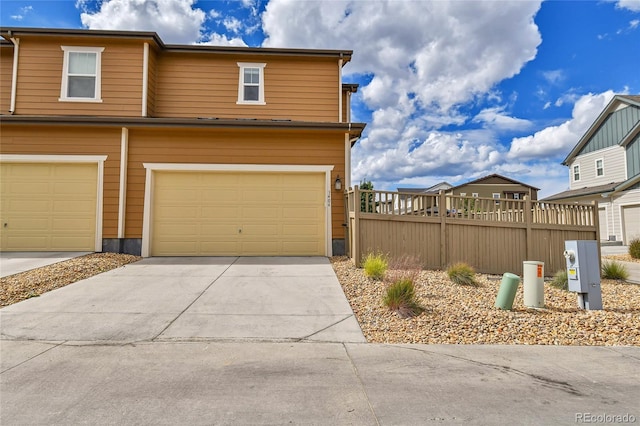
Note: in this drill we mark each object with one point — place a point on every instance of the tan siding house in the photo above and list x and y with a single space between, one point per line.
173 150
495 186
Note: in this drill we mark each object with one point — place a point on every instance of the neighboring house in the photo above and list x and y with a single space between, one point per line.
116 141
495 186
604 166
405 202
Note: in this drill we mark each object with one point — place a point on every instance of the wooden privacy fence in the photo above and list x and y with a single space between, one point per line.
492 235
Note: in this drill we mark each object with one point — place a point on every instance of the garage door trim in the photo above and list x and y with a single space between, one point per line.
626 233
58 159
153 167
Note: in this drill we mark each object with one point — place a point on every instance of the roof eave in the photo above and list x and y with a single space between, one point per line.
354 129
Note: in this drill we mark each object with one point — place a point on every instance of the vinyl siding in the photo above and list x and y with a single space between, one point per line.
229 147
614 167
40 77
45 140
613 130
487 190
198 85
6 70
633 157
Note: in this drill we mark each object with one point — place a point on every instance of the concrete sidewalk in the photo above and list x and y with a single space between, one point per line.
16 262
264 383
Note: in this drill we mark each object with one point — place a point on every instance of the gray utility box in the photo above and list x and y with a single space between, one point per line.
583 272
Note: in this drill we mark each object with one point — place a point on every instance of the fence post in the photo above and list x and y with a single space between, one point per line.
596 223
442 212
356 226
528 219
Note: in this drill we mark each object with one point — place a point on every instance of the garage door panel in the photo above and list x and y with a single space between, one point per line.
631 220
221 230
220 212
49 206
177 212
252 202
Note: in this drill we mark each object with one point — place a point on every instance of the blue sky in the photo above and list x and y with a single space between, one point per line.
450 90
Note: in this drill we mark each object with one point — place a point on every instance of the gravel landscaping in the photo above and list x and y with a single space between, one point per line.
466 315
18 287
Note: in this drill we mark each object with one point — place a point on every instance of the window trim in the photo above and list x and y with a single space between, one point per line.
516 195
575 170
65 73
242 66
601 160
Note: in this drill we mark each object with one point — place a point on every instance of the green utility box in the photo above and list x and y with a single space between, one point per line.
507 292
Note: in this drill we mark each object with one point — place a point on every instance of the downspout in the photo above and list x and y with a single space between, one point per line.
122 196
340 62
145 79
14 75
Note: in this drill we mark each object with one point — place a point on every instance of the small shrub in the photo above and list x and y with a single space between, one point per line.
462 274
375 265
613 270
560 280
403 268
401 298
634 248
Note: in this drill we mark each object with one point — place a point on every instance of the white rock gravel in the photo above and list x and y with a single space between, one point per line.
466 315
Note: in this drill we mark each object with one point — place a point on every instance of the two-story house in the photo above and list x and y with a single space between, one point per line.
116 141
605 166
495 186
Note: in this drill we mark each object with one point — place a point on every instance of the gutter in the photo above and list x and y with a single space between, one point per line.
14 73
201 122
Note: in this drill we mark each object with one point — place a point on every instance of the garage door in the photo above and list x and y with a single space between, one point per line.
238 213
48 207
631 220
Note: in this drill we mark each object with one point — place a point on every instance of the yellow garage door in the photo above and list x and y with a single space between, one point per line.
48 207
238 213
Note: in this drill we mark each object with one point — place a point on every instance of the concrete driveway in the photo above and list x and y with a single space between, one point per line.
187 298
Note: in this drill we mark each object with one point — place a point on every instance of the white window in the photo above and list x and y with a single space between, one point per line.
516 196
474 194
576 172
600 167
81 74
463 194
251 84
496 196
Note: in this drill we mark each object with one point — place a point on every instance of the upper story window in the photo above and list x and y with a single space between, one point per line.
463 194
600 167
516 195
81 74
251 84
474 194
576 172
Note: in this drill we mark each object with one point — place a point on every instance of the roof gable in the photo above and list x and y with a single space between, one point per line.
494 179
611 127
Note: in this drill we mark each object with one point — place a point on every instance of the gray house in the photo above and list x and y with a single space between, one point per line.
605 166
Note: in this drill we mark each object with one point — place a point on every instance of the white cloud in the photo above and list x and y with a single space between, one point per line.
554 76
216 39
426 59
23 12
633 5
176 21
558 140
497 119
